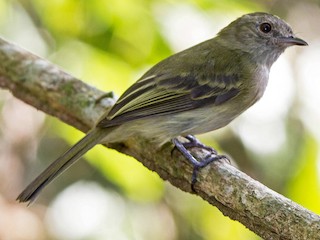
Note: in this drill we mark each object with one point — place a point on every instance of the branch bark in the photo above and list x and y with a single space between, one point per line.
49 89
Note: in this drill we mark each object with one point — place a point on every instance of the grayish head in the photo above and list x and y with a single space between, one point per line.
263 35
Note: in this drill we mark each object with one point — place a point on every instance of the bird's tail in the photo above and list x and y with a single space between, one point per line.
61 164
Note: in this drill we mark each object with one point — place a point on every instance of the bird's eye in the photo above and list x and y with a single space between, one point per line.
265 27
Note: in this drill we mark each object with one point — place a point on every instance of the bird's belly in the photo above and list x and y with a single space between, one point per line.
163 128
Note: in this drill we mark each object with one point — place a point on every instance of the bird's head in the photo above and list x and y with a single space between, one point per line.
263 35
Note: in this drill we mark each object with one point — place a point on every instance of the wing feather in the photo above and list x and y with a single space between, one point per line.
161 95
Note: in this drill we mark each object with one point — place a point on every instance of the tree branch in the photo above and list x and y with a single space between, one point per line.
49 89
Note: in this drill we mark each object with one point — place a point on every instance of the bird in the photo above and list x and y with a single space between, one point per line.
197 90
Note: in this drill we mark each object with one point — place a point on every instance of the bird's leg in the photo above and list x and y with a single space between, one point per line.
197 165
194 142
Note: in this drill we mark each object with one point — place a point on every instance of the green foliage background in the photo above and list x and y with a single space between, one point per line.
109 44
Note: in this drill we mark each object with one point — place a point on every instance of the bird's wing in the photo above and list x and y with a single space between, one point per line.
162 95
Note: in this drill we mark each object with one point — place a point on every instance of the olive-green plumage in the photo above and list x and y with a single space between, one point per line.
198 90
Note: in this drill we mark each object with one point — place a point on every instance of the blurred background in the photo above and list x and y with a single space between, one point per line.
110 44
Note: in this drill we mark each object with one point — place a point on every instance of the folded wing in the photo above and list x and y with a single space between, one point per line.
163 94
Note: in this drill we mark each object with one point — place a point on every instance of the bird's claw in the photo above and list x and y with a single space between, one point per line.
197 165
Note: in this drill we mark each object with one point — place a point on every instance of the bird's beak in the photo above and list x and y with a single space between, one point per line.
293 41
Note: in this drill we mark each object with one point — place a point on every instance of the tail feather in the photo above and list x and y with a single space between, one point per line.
30 193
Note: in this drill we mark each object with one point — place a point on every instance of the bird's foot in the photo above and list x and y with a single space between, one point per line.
197 165
194 142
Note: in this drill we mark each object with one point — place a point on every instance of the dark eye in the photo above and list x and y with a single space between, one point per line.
265 27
